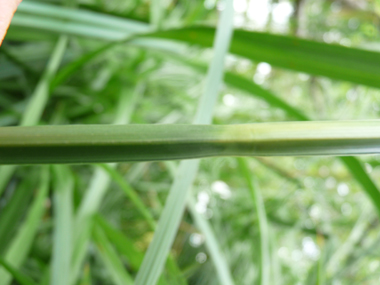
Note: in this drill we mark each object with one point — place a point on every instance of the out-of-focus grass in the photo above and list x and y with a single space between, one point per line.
312 204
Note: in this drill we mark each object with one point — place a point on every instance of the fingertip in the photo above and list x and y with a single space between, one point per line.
7 9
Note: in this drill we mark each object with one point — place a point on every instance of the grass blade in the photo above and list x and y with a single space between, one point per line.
62 236
14 210
17 275
98 185
6 172
62 26
243 84
351 264
21 244
82 16
258 202
218 259
171 266
203 225
171 216
247 85
156 255
350 243
333 61
110 258
125 246
37 103
157 10
360 175
83 220
72 67
40 96
275 262
131 194
86 278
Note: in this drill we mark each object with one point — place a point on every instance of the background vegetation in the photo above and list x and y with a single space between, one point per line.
283 220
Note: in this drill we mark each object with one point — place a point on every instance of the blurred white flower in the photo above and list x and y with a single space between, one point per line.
240 6
196 240
201 257
309 248
229 100
264 68
281 12
343 189
222 189
202 202
258 12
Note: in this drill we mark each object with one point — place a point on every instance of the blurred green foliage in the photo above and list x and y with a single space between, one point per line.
322 227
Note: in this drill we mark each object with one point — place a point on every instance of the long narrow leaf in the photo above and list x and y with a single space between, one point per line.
99 185
337 62
128 249
40 96
73 66
110 258
172 267
37 103
349 244
248 86
67 27
212 245
20 246
360 175
82 16
62 237
17 275
157 9
13 212
175 204
131 194
333 61
243 84
264 276
276 275
125 246
216 254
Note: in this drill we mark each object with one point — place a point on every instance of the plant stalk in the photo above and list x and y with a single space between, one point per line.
114 143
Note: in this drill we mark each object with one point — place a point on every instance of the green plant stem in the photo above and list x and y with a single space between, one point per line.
111 143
